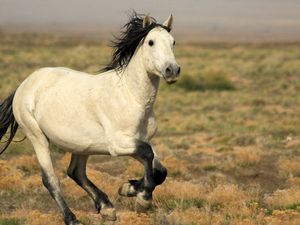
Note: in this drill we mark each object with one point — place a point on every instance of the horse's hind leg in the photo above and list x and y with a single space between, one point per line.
77 171
132 187
50 180
41 146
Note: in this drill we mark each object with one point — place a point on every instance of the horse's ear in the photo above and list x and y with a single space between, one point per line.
169 22
146 21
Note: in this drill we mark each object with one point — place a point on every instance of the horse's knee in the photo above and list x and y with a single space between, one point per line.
160 173
145 152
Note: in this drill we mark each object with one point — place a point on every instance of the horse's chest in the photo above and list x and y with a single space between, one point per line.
148 128
127 117
138 123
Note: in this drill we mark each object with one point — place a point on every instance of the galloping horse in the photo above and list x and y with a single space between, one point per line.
106 114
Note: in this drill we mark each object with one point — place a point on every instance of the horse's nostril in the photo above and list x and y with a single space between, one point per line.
178 71
168 70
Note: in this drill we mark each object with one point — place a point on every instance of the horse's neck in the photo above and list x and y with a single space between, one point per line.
142 86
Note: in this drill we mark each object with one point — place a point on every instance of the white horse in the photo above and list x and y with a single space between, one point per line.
110 113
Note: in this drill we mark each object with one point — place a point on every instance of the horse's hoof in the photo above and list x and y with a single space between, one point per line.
127 190
108 213
142 205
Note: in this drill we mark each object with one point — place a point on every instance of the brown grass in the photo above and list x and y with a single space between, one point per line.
284 198
227 194
290 167
246 156
10 177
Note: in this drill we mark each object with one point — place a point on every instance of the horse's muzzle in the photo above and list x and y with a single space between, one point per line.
172 73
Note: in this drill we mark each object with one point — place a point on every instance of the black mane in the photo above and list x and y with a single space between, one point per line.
125 45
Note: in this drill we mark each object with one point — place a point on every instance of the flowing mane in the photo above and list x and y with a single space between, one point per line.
126 44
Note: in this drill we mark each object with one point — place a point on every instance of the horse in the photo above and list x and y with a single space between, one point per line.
110 113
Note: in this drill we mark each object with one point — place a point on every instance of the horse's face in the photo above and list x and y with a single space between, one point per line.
158 53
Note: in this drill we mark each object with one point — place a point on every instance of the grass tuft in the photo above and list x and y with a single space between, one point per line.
169 204
10 221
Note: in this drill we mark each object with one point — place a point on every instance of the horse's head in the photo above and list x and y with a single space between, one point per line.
158 51
156 45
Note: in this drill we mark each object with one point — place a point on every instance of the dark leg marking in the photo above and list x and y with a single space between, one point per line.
160 172
69 217
77 171
131 188
146 155
142 188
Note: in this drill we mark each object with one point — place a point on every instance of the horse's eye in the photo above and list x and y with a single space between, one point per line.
174 42
151 43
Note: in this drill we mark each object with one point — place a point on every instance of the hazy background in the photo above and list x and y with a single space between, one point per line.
228 130
242 20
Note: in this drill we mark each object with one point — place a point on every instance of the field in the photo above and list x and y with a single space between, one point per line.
229 134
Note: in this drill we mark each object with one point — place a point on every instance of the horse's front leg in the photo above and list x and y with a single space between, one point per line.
145 154
137 187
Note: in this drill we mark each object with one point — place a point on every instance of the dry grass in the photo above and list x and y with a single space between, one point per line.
290 167
228 134
228 194
287 198
246 156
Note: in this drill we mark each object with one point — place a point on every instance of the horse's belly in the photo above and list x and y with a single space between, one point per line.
84 138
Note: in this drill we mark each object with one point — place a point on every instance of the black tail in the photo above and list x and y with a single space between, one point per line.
7 120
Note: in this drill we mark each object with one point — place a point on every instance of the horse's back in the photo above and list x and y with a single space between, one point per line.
41 83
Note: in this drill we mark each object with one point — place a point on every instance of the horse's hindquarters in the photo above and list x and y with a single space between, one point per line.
58 103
